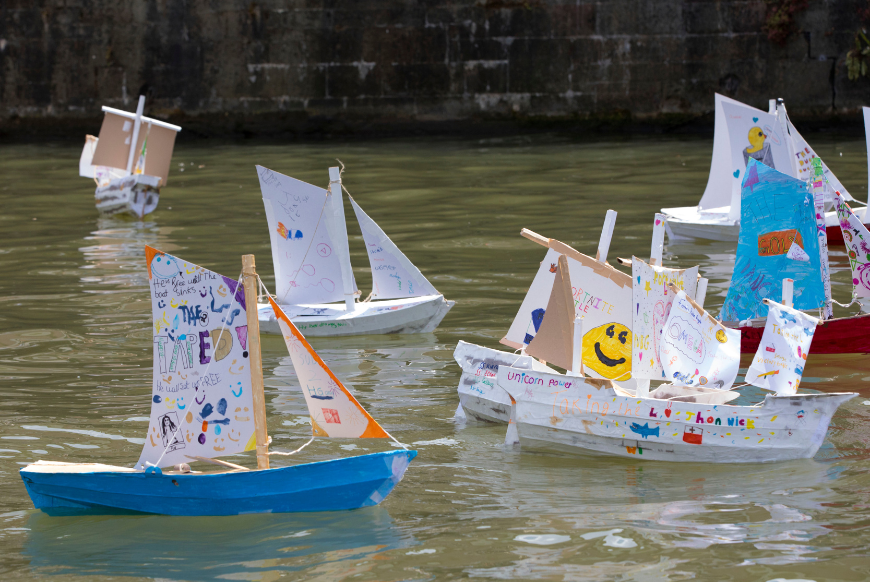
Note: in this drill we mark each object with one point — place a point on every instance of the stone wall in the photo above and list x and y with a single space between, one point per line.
360 65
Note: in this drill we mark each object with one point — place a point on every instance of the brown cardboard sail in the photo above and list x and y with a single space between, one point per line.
116 133
555 338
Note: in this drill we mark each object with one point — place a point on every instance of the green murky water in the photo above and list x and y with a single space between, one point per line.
75 369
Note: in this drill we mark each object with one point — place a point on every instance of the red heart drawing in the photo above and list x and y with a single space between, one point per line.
668 412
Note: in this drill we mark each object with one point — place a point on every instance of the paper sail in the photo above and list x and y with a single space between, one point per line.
652 306
857 240
602 297
307 267
718 191
554 342
201 401
782 354
697 350
754 135
334 411
804 155
393 275
777 212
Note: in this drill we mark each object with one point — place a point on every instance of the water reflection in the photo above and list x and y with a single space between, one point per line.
252 547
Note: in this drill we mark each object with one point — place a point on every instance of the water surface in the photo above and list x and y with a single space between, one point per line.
75 372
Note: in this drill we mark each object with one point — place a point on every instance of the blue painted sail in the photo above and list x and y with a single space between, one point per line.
777 240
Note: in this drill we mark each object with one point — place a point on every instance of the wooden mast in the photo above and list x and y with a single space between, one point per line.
255 360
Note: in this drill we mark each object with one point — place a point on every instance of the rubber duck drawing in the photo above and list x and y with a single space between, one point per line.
758 148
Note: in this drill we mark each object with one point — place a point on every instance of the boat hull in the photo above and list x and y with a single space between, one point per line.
412 315
137 195
842 335
570 414
479 395
690 222
335 485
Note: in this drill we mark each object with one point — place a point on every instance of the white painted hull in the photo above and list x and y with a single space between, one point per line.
481 398
137 195
579 417
412 315
690 222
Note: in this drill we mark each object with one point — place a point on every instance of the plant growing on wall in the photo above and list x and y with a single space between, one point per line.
856 59
779 23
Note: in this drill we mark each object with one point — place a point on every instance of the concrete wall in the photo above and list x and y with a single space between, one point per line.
267 65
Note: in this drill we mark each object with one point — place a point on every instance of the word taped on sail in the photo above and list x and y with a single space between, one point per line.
334 411
201 400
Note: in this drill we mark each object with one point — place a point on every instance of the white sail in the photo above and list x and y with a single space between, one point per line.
393 275
866 111
653 301
718 191
307 266
697 350
201 399
804 154
857 240
753 134
782 354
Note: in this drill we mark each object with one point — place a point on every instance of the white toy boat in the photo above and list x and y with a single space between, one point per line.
127 183
597 302
717 215
313 272
691 422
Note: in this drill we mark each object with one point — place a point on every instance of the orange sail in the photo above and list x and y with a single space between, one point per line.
334 411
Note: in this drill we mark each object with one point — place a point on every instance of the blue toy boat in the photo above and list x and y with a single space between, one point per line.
207 401
339 484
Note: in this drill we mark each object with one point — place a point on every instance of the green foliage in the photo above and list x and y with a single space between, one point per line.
856 59
779 23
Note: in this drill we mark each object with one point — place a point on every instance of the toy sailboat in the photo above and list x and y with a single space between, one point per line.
689 420
781 238
742 132
601 297
208 401
308 233
129 161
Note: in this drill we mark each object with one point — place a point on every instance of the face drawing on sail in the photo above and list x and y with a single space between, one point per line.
758 148
607 350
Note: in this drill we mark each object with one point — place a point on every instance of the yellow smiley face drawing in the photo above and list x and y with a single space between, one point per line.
607 351
720 335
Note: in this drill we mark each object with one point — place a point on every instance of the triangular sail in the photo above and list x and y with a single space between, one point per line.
718 191
602 297
393 275
804 155
782 354
334 411
307 268
201 399
778 239
555 339
697 350
857 240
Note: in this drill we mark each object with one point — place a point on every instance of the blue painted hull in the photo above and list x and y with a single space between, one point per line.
335 485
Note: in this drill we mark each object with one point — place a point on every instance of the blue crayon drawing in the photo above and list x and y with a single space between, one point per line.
644 431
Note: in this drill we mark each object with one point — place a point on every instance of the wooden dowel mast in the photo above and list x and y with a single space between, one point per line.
255 361
535 237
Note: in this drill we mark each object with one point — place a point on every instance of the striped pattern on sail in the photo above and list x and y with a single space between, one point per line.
334 411
307 265
393 275
201 397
